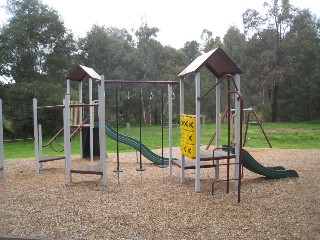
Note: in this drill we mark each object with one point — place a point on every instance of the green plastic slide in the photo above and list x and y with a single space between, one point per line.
145 151
269 172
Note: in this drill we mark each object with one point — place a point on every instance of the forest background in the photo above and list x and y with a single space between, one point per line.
278 52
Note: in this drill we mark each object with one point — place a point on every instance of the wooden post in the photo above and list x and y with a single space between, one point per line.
67 145
170 126
80 116
198 122
36 135
218 126
40 143
237 130
91 120
182 173
102 134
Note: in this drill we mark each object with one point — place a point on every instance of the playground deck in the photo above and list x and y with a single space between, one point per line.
96 169
206 158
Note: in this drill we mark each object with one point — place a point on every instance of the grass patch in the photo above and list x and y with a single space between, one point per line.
303 135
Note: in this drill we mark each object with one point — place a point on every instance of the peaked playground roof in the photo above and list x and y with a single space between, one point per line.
217 61
79 72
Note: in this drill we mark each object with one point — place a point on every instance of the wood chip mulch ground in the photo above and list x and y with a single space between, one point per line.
152 205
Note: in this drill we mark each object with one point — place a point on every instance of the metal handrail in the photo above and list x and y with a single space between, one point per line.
78 129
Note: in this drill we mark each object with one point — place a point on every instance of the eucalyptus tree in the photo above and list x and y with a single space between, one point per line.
192 50
32 36
267 32
148 48
170 62
209 42
108 51
302 83
234 43
150 53
36 51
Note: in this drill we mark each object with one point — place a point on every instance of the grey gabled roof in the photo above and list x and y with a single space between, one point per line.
217 61
79 72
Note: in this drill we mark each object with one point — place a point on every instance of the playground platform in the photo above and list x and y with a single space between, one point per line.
97 169
206 159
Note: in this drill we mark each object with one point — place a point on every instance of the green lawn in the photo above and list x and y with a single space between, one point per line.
281 135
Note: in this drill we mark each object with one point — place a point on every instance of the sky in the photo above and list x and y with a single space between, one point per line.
178 21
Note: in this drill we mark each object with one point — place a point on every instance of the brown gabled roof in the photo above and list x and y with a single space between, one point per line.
79 72
217 61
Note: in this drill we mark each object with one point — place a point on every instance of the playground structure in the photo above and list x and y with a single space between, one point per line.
73 119
37 132
225 71
161 161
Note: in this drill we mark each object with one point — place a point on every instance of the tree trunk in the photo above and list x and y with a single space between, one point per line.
274 103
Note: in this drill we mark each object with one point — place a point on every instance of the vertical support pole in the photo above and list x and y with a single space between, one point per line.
40 143
36 135
229 114
218 126
102 135
140 168
237 130
91 120
40 139
170 126
2 171
182 173
198 122
68 86
80 116
162 126
117 121
67 145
